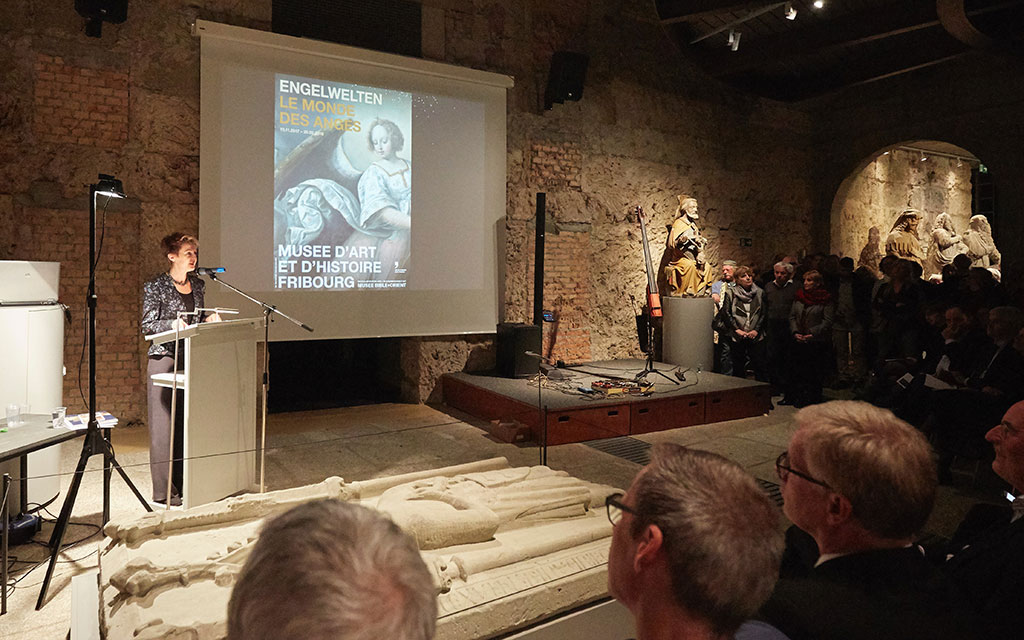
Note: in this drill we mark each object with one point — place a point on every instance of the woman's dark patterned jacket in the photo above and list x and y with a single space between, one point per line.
161 303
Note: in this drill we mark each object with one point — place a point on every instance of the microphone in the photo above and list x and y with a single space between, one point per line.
209 271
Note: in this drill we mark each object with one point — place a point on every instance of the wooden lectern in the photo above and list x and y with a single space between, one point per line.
219 383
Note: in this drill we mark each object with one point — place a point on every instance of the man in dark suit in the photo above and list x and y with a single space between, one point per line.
960 417
861 483
988 561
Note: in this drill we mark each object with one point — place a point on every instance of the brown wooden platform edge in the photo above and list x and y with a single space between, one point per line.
579 424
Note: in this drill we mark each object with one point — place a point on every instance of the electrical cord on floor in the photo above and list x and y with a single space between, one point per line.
13 583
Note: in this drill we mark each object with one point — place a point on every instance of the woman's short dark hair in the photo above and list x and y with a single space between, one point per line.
742 271
397 139
174 242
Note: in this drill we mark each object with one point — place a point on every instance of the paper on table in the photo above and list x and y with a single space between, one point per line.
103 418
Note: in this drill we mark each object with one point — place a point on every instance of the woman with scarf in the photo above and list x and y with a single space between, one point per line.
743 314
810 322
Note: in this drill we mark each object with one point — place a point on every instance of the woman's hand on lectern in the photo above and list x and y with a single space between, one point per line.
213 317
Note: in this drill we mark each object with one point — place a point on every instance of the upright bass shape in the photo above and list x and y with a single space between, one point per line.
653 298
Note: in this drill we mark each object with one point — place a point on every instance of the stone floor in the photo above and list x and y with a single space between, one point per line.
363 442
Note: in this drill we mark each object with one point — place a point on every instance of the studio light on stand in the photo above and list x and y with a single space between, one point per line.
97 441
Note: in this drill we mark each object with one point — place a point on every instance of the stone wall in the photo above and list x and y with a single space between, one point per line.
893 181
985 115
649 126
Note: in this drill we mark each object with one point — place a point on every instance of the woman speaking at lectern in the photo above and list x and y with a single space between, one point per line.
163 298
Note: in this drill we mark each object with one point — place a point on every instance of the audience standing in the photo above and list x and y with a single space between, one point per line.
810 323
719 288
743 315
778 300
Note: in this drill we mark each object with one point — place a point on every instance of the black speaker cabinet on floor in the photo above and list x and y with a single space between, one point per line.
565 82
514 340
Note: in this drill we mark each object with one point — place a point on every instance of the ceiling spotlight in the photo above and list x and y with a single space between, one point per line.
959 162
818 4
734 40
790 11
923 157
885 153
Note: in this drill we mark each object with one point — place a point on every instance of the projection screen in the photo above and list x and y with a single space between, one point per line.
360 192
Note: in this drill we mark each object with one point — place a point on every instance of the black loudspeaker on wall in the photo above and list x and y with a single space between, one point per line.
565 82
96 12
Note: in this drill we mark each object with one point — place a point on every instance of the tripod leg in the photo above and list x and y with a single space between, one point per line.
124 476
57 537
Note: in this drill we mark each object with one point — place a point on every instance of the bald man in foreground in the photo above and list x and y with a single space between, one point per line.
988 559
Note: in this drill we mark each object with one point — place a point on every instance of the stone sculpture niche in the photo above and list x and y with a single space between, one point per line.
945 245
980 247
871 254
902 240
507 547
687 273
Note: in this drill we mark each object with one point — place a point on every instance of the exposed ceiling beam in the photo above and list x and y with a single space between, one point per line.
815 38
878 66
674 11
957 21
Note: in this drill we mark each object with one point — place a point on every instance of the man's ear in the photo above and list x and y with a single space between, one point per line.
839 508
648 547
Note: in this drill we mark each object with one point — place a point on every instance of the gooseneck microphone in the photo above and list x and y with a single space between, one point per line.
209 271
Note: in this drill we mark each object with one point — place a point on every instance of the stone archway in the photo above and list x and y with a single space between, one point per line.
894 178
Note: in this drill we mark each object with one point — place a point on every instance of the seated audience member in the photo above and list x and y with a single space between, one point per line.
778 302
695 546
987 561
959 418
982 290
862 483
900 305
961 342
743 315
331 570
810 322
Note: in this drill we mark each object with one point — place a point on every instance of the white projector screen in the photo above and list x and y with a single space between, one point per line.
309 198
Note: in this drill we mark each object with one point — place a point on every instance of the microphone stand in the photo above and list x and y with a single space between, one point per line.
268 311
542 409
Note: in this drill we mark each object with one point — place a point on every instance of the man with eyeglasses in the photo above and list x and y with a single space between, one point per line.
988 562
862 483
695 546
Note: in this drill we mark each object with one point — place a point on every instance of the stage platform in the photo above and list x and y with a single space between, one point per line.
572 416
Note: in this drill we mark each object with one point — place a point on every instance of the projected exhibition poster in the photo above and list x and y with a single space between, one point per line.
309 200
342 185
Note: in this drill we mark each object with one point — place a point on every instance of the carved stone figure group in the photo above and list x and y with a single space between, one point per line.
943 244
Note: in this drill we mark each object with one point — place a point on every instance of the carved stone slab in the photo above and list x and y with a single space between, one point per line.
508 547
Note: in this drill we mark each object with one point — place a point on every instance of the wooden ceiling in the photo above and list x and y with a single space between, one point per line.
842 44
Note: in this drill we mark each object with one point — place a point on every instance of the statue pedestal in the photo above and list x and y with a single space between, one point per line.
686 332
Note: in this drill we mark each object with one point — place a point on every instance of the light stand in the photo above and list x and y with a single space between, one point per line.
97 441
268 311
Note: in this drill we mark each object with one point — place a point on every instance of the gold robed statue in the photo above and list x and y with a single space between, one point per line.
687 272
